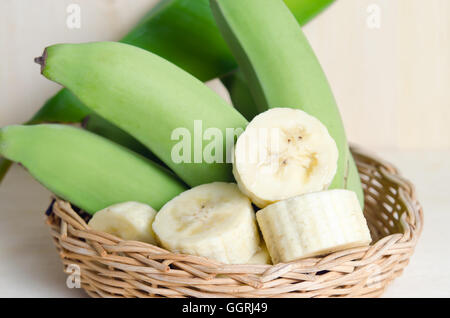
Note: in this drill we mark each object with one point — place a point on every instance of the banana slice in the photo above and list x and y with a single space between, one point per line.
128 220
261 257
313 224
213 220
282 153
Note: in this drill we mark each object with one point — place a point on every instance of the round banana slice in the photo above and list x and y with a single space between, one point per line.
313 224
213 220
282 153
261 257
128 220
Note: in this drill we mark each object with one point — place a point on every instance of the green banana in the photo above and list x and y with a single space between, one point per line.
235 82
100 126
305 10
183 32
150 98
240 95
88 170
282 69
4 167
64 107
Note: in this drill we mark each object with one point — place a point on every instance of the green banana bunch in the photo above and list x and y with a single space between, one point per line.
88 170
282 69
183 32
154 101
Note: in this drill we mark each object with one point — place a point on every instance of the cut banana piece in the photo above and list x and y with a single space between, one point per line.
282 153
313 224
213 220
261 257
128 220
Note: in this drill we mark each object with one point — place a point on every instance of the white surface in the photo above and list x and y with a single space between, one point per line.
30 267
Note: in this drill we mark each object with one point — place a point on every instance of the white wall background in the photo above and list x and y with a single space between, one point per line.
392 82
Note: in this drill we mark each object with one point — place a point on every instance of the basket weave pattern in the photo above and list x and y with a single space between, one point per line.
112 267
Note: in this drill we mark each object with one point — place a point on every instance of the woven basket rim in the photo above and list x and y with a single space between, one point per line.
109 262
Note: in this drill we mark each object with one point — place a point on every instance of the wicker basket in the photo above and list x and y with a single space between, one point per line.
112 267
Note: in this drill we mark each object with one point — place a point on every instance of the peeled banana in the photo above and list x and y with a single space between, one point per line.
149 98
213 220
85 169
282 153
313 224
282 69
261 257
127 220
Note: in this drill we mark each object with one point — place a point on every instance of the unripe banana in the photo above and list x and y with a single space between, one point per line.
149 98
4 167
85 169
282 69
213 220
182 32
127 220
240 95
313 224
100 126
282 153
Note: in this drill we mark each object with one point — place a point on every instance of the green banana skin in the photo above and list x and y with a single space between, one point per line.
305 10
64 107
166 30
235 82
183 32
148 97
282 69
240 95
85 169
100 126
5 164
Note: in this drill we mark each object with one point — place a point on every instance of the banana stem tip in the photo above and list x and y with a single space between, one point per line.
41 60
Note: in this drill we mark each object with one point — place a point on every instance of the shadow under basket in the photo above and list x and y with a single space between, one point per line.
112 267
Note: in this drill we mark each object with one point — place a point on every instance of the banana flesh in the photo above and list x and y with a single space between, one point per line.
212 220
127 220
313 224
282 153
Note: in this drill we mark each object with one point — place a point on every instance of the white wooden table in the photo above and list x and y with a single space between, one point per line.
30 266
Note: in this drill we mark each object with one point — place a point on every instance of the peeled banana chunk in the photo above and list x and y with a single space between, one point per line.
261 257
213 220
128 220
282 153
313 224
